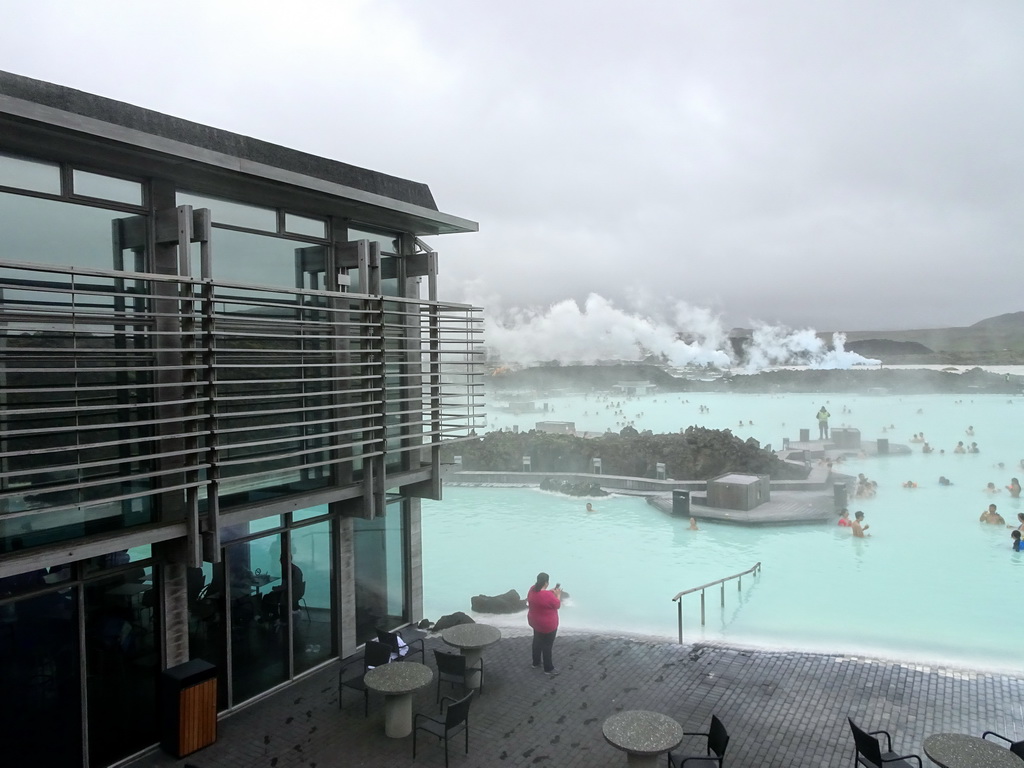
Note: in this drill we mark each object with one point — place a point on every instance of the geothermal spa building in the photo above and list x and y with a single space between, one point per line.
225 379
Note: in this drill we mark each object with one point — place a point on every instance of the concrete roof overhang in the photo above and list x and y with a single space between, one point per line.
62 124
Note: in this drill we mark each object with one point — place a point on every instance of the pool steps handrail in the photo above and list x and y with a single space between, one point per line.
755 569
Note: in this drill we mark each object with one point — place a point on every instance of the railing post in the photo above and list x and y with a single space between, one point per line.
755 569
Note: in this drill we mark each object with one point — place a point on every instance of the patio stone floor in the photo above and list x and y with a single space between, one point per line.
781 708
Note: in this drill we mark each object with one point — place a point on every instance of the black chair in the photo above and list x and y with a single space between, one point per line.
411 638
456 718
299 599
717 740
451 668
869 750
374 655
1017 747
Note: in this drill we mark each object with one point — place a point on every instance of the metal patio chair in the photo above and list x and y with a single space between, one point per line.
451 668
717 741
1017 747
411 638
374 655
869 750
456 718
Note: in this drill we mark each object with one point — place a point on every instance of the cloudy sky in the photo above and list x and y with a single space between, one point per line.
843 165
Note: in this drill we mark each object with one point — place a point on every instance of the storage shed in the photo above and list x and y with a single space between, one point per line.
736 491
557 427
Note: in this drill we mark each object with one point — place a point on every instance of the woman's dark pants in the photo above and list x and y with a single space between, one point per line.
542 644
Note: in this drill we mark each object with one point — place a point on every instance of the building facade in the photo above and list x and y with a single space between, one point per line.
225 377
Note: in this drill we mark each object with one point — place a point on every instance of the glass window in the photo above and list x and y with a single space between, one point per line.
379 572
301 225
54 232
312 619
107 188
122 656
29 174
245 257
257 582
232 213
308 514
388 240
40 678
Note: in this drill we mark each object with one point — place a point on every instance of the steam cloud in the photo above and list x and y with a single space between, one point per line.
600 331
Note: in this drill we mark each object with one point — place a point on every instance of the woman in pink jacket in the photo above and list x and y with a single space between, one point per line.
543 617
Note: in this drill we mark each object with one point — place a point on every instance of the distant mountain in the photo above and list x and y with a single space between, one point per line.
1003 322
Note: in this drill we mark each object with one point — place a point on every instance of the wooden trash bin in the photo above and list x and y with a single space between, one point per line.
188 707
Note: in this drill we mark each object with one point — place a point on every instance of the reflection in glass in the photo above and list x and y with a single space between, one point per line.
40 702
55 232
72 462
312 618
230 212
29 174
379 572
245 257
258 635
122 659
206 611
107 188
301 225
388 240
310 513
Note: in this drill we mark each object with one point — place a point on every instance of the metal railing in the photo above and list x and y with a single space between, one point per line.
118 386
678 599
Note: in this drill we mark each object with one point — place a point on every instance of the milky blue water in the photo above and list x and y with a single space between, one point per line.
931 584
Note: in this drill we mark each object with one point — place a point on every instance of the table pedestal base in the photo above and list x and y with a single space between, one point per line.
398 715
473 656
642 761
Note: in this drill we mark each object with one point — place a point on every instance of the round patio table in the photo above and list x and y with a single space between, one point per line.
642 735
397 681
471 639
958 750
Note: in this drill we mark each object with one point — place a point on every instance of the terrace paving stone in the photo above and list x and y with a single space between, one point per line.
781 708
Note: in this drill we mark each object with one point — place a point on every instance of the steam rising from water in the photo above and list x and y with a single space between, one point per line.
692 336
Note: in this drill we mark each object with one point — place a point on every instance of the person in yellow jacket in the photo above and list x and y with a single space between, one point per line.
823 423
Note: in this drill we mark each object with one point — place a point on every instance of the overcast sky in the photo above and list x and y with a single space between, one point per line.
843 165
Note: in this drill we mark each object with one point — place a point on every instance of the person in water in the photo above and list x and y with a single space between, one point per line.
1020 521
991 517
844 518
991 488
693 524
943 480
1014 488
858 525
1016 540
822 417
590 507
960 447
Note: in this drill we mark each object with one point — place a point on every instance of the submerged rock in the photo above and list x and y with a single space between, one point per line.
509 602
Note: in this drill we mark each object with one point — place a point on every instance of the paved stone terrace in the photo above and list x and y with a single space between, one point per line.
781 709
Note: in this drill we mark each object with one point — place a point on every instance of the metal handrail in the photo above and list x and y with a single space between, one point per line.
755 569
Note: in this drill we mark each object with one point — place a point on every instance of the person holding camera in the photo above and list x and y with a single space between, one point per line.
543 604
